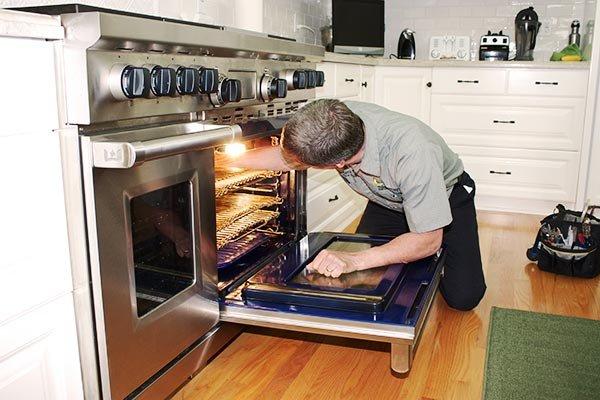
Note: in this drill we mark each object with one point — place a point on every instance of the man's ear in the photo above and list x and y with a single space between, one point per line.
340 165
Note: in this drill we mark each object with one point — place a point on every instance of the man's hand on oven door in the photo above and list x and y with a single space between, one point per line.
334 263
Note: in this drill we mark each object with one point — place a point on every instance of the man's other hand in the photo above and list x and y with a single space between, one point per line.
334 263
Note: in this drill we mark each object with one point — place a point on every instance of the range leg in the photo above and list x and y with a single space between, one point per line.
401 357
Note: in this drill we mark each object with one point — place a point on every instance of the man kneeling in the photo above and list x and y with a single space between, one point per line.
416 186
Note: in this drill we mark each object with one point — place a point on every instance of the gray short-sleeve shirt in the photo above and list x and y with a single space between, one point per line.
406 167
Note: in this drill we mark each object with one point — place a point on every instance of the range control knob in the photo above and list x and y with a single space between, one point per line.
162 81
230 91
129 82
299 79
186 80
320 78
209 80
311 78
278 88
272 88
295 78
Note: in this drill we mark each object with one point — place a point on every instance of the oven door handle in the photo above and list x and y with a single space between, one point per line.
121 154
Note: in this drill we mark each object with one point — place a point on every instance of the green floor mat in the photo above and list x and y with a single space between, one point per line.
541 356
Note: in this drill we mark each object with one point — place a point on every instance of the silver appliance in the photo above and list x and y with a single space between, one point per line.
167 243
449 47
527 27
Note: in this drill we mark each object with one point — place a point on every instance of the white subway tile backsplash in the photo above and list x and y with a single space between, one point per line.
475 17
460 11
560 10
426 17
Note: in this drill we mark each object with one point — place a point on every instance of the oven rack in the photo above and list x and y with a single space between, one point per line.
232 179
232 251
245 225
236 205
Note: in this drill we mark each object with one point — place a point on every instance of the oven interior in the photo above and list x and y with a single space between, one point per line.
256 215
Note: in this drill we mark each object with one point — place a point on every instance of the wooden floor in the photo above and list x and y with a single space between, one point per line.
262 364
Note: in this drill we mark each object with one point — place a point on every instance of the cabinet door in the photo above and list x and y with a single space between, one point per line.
39 355
347 77
367 83
405 90
331 204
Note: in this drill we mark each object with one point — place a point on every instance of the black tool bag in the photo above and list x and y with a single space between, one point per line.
555 254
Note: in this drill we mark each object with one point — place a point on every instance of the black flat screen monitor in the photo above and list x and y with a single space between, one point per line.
358 26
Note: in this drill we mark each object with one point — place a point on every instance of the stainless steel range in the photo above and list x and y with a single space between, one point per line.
172 249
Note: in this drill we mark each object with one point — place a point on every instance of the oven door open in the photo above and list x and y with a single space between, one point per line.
387 304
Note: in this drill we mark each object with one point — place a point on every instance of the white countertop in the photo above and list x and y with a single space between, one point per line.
353 59
29 25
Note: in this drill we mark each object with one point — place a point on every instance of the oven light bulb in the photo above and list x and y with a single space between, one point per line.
234 149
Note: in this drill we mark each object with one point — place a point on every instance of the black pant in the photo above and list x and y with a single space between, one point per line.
462 284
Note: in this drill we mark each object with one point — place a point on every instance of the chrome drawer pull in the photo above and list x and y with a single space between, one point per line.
500 121
334 198
464 81
364 84
349 80
501 172
546 83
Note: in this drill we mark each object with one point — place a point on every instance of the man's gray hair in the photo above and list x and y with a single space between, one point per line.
322 133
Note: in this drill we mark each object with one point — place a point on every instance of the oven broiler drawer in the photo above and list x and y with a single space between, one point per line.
389 305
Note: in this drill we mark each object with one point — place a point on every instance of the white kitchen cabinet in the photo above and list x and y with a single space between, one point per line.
518 131
347 80
488 81
509 121
367 84
39 355
404 89
522 174
562 83
342 81
331 204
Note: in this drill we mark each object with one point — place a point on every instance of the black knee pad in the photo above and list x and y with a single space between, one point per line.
465 300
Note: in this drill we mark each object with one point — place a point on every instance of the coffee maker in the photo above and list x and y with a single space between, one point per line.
527 27
406 45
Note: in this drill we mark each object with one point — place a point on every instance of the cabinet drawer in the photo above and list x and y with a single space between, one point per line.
525 174
347 80
326 200
521 122
469 80
548 82
328 89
